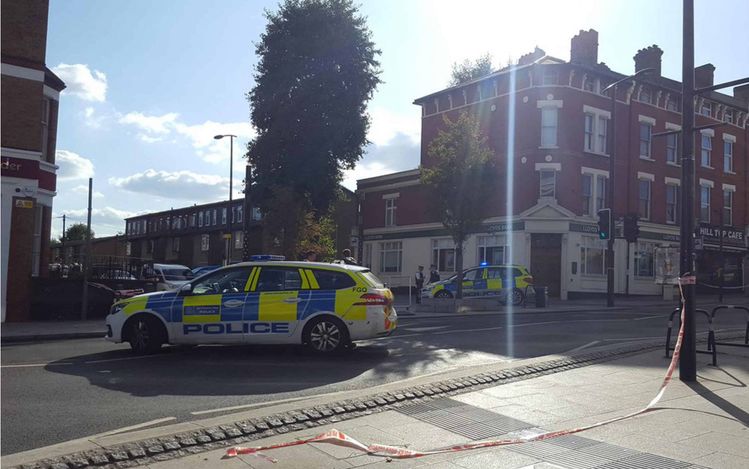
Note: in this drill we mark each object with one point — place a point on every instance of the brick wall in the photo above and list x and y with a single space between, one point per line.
22 113
24 31
19 262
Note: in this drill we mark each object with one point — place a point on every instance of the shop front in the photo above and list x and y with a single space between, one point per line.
721 259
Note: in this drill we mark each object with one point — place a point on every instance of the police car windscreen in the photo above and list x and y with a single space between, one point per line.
178 274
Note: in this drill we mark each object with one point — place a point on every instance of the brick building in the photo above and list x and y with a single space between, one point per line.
547 123
194 236
30 101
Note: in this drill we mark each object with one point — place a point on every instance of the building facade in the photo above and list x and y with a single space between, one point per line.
548 124
30 102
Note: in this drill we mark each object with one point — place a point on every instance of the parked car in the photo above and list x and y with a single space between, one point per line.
203 269
508 282
167 276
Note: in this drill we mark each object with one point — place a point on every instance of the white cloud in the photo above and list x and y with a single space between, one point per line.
386 125
83 189
81 82
400 154
184 185
93 119
153 128
73 166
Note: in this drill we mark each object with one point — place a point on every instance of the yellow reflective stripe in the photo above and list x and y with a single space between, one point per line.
312 280
254 280
135 306
344 303
493 284
250 278
484 274
273 306
305 282
200 309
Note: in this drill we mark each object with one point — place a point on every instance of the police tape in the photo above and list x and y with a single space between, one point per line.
338 438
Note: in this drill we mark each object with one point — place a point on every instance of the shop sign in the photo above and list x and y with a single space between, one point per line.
711 235
503 227
583 228
24 203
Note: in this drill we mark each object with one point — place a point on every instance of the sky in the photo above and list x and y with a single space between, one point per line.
149 83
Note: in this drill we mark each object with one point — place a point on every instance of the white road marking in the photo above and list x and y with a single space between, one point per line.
577 349
423 329
133 427
32 365
123 359
633 338
647 317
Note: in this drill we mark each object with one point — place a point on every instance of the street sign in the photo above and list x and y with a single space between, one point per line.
24 203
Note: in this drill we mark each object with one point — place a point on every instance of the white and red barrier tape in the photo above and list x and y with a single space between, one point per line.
339 438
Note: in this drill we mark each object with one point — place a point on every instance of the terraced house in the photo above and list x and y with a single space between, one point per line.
547 122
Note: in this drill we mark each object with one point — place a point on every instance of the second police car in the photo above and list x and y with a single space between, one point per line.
324 306
508 282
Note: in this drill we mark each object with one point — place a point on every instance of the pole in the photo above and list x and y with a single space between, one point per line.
62 244
247 211
722 256
229 212
688 360
87 257
610 204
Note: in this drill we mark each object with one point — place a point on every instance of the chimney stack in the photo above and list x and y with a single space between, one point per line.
584 48
649 57
531 56
703 75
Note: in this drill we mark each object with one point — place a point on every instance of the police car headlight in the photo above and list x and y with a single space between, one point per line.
116 308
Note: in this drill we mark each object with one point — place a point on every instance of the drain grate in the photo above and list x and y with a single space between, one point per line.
571 459
645 461
477 431
539 449
573 442
609 451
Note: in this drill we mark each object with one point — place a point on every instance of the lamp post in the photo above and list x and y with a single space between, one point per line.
228 210
612 178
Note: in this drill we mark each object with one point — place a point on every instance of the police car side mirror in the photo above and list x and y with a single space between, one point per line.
185 289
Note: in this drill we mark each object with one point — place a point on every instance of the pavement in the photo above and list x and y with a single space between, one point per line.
702 424
51 330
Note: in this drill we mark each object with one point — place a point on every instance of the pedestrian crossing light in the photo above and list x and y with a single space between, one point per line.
604 223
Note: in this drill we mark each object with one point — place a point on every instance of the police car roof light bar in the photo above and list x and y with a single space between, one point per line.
267 257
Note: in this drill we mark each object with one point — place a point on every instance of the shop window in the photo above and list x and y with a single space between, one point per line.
645 260
443 254
391 256
592 256
491 249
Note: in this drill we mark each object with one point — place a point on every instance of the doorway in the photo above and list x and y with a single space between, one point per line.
546 261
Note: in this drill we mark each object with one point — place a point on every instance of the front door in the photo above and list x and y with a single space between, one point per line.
546 261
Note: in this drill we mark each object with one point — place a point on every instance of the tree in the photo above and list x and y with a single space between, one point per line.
462 178
77 232
317 70
471 70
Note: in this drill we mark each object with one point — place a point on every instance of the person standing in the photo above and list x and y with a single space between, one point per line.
347 258
434 275
419 277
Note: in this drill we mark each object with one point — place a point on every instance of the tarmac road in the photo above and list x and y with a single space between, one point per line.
58 391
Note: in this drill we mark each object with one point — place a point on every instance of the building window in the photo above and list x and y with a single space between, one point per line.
491 250
596 128
128 249
443 254
549 77
205 242
240 214
175 244
200 218
645 260
193 220
672 104
215 217
706 109
548 183
391 256
589 119
727 156
707 149
602 183
727 207
238 239
46 114
589 84
149 246
672 148
646 96
368 255
672 203
705 204
728 116
390 212
587 192
549 126
644 199
592 256
223 216
646 137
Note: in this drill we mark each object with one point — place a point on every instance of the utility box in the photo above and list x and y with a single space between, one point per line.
542 296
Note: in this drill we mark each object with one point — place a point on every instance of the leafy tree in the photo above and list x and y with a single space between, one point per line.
77 232
317 70
462 177
471 70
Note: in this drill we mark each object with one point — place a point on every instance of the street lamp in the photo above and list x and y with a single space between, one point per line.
231 178
610 204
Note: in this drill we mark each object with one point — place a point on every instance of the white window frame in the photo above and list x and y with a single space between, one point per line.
541 186
705 201
205 242
728 147
706 106
223 215
676 185
46 117
598 188
706 150
648 249
446 245
598 142
588 244
484 243
390 209
647 141
648 211
238 239
200 219
391 247
728 209
672 149
549 131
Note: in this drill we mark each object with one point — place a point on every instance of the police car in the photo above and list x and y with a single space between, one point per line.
508 282
265 301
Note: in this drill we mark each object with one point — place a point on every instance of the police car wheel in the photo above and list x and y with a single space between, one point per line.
326 335
517 297
443 294
146 335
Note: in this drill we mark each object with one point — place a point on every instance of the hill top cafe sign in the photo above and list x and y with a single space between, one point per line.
711 235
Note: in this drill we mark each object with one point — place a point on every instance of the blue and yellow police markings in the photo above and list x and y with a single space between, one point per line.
201 309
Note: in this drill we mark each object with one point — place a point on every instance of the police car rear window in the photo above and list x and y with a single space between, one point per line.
331 280
372 279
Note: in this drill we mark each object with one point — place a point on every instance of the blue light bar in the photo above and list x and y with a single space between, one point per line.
267 257
484 264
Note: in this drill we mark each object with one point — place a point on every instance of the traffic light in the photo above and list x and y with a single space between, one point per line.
604 224
631 228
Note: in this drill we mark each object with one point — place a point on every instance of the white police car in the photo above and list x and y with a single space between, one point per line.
265 301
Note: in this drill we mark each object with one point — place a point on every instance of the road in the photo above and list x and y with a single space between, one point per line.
58 391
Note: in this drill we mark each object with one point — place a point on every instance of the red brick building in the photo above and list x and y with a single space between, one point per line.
30 100
547 122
